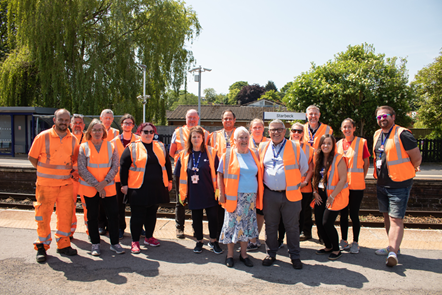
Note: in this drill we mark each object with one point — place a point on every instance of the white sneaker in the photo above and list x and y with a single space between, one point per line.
391 259
343 245
354 248
95 251
385 251
117 249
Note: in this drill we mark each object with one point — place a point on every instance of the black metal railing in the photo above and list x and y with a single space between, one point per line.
431 149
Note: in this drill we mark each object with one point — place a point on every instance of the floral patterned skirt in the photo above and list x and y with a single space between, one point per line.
240 225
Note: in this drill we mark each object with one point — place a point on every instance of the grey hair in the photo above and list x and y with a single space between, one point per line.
277 121
239 130
313 107
107 111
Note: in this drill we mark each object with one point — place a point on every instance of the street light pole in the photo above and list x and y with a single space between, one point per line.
144 97
200 70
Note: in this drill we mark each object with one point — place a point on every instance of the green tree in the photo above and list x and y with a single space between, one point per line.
428 85
86 53
209 95
283 90
353 85
234 89
186 98
271 86
271 95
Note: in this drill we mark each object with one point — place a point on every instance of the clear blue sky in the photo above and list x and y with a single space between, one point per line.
257 41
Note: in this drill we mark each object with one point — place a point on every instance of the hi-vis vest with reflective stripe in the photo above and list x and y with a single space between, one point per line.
309 153
231 179
218 141
80 140
341 200
111 134
399 165
184 159
355 162
54 166
182 135
252 145
118 144
290 158
98 164
322 130
138 154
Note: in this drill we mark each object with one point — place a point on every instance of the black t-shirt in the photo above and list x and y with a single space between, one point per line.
409 143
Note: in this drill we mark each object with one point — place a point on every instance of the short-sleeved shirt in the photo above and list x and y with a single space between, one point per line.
409 143
365 152
248 183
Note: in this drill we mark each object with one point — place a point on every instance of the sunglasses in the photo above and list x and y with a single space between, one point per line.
383 116
297 131
148 131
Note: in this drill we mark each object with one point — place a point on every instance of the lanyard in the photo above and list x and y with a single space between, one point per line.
227 139
312 136
254 142
195 166
275 156
381 149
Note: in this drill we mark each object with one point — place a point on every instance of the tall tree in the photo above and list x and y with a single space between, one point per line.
234 89
86 52
353 85
428 85
271 86
250 93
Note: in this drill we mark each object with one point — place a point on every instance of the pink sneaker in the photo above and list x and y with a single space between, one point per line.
151 242
135 249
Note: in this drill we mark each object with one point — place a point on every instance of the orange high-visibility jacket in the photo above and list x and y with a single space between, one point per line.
184 158
309 153
399 165
252 145
291 156
138 154
118 144
322 130
218 141
56 157
111 134
231 179
98 164
355 162
80 139
182 135
341 200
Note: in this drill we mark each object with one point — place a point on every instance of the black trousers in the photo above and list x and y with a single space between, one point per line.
102 220
354 203
121 207
325 222
221 212
140 215
305 218
110 206
197 222
179 214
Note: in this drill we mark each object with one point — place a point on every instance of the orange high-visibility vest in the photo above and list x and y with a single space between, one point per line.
399 165
182 135
56 158
322 130
98 164
218 141
252 145
308 151
231 179
355 162
118 144
138 154
111 134
341 200
184 158
290 158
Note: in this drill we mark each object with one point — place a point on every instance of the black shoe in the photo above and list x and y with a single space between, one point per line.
41 253
246 261
297 264
180 233
214 246
268 261
304 237
101 231
321 241
198 248
334 256
229 262
67 251
323 251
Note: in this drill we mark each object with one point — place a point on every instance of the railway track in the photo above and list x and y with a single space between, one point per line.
19 198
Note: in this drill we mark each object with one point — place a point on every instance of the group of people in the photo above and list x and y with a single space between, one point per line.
240 178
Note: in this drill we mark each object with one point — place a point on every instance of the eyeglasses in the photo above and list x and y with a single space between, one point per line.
384 116
148 131
127 124
279 130
297 131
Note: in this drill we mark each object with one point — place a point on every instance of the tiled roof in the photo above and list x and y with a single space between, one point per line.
214 112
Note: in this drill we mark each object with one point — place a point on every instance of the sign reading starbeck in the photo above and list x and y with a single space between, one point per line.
283 116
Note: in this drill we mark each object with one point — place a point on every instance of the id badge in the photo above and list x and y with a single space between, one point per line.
321 185
194 179
378 164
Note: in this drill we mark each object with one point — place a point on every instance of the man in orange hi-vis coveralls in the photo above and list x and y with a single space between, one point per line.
52 153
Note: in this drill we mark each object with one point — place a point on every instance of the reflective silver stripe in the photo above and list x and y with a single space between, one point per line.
332 187
134 155
38 218
291 167
327 130
400 159
307 151
231 176
355 158
293 187
109 155
226 167
356 170
163 168
181 137
73 144
62 233
81 181
111 183
74 223
43 238
39 174
183 181
47 242
50 166
231 198
206 136
294 166
48 148
214 138
137 169
332 173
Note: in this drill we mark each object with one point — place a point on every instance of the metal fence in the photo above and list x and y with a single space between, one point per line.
431 149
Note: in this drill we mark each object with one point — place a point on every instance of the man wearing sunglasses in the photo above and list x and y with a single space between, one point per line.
396 161
313 129
178 143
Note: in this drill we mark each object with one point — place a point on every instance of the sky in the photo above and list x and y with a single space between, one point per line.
257 41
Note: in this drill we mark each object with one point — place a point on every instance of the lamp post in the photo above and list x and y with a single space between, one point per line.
198 79
144 98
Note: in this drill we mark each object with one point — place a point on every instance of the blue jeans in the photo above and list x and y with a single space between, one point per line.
393 200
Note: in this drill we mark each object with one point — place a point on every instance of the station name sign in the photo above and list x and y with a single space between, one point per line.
283 116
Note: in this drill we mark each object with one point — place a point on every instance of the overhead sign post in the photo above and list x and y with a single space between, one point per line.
283 116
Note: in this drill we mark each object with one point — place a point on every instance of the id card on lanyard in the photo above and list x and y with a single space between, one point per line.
381 149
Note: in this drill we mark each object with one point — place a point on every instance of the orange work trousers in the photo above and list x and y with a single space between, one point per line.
46 197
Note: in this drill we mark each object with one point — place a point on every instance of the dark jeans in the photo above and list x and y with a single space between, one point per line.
325 222
354 203
179 214
140 215
121 207
197 222
305 218
110 206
